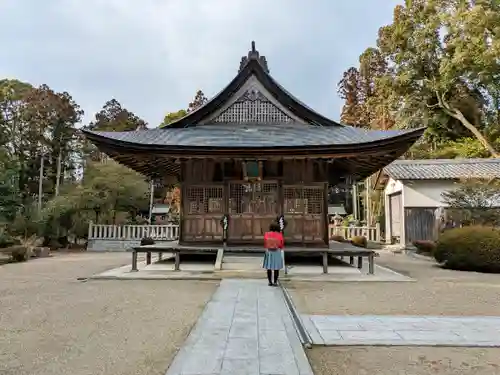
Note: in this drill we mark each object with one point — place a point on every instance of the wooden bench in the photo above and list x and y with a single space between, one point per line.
167 248
360 254
339 250
350 251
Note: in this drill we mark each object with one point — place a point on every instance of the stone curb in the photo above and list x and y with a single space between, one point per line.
218 278
410 344
299 325
149 278
413 254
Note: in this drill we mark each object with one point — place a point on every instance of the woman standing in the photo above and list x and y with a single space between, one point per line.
273 259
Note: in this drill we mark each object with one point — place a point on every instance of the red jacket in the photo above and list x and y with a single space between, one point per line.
273 240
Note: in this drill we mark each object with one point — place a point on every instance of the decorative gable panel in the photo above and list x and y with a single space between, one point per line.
252 103
250 107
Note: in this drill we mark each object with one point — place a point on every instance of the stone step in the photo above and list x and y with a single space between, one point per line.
243 263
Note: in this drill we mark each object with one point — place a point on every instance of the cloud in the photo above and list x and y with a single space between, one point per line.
152 55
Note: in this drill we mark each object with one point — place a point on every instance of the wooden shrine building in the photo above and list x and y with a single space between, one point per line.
254 152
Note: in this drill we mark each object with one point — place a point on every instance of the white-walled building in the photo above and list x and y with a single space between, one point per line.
413 193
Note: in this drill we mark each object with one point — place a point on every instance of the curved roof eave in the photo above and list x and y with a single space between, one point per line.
359 166
284 97
406 138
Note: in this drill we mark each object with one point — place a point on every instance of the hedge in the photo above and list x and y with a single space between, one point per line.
474 248
359 241
424 247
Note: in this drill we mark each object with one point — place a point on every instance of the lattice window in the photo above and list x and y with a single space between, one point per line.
253 106
259 198
204 200
314 196
303 200
294 200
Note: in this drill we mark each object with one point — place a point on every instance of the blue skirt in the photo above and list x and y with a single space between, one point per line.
273 260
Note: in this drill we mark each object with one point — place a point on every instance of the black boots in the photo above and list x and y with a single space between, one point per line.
270 277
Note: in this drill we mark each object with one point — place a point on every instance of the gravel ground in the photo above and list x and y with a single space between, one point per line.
436 292
50 323
404 361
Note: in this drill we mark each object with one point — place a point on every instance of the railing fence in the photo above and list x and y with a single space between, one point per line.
371 233
167 232
170 232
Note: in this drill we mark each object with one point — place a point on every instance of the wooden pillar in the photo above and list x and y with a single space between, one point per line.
325 215
134 261
355 207
387 209
371 264
177 262
182 180
281 197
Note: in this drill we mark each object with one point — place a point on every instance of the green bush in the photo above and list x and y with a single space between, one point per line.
475 248
424 247
359 241
7 240
19 253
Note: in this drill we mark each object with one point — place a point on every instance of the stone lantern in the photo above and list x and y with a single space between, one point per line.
337 220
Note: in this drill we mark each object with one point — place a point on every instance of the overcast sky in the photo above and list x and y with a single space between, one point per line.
152 55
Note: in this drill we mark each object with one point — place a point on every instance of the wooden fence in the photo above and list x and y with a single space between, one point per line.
167 232
170 232
371 233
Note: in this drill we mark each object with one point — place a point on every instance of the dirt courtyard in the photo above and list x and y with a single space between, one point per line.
404 361
435 292
52 324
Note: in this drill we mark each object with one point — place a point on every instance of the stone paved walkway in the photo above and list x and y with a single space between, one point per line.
403 330
245 329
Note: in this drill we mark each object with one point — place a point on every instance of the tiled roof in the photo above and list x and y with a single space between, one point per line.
443 169
336 209
253 67
161 208
252 135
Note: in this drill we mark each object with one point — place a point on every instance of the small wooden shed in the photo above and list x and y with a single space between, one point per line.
413 193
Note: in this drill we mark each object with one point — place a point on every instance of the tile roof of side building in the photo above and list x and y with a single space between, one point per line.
443 169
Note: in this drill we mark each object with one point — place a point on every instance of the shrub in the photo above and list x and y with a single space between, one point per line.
338 238
426 247
473 202
147 241
51 243
19 253
359 241
474 248
7 240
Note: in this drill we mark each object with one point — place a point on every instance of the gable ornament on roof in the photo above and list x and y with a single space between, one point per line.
253 54
251 95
